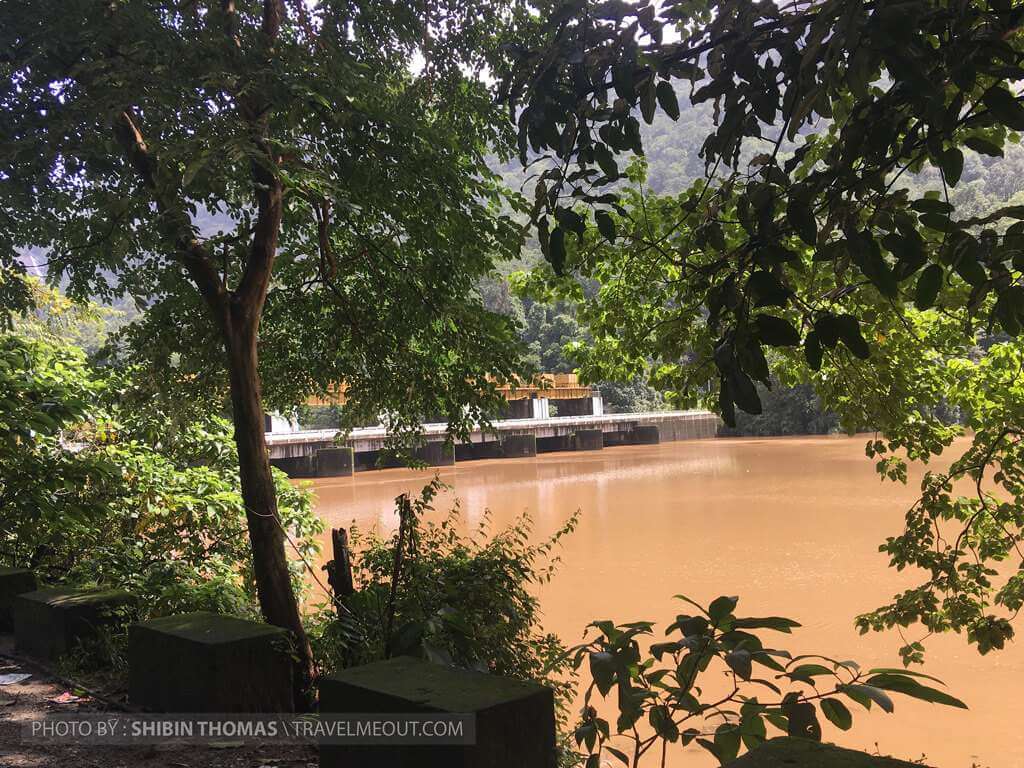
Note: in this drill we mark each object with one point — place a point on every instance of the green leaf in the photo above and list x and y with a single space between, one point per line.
743 391
618 754
813 351
928 285
776 331
908 686
768 290
901 671
721 607
969 269
727 742
865 694
648 102
602 669
837 713
807 672
1004 107
801 219
848 327
667 99
952 165
984 146
778 623
740 662
556 250
606 161
605 225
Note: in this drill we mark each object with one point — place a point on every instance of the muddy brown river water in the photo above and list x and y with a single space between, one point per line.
792 525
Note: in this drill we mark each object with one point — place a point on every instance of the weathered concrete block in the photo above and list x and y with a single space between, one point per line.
646 434
489 449
204 662
575 406
49 623
335 462
617 438
13 581
436 454
515 721
296 466
588 440
787 752
554 444
519 446
432 454
519 409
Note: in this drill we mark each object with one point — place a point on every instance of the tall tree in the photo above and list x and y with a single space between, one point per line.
221 162
804 249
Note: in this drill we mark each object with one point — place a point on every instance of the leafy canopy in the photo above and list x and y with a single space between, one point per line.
821 246
145 146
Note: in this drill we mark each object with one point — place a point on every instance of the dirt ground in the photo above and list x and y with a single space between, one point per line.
44 692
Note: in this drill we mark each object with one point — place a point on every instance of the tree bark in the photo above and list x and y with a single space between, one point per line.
278 602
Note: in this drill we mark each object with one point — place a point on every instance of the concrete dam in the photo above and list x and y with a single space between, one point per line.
329 453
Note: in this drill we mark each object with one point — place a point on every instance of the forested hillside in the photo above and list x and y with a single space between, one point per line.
673 162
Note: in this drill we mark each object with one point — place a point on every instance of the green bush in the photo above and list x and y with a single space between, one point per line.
96 490
459 600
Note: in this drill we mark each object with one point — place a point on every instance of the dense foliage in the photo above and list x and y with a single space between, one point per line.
343 143
98 491
823 244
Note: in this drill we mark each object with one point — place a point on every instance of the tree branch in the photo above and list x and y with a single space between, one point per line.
175 224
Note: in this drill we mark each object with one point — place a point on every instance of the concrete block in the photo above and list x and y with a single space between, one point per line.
335 462
432 454
489 449
204 662
646 434
436 454
588 440
519 409
617 438
575 406
49 623
13 581
787 752
519 446
296 466
554 444
515 721
508 447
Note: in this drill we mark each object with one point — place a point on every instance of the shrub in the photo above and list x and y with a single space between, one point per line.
458 600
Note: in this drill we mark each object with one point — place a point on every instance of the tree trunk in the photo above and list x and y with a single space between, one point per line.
270 563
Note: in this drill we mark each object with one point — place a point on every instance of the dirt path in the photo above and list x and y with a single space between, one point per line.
42 693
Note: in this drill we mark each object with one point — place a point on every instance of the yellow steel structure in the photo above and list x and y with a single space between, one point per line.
555 386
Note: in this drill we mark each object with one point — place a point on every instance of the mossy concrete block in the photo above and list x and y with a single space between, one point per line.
588 440
335 462
515 721
49 623
13 581
205 662
787 752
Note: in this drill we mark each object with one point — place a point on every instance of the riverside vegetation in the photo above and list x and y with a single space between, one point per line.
820 240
